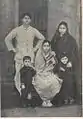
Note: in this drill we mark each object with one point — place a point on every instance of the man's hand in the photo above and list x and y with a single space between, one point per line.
12 53
14 50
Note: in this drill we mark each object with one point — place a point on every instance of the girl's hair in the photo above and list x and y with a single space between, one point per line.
46 41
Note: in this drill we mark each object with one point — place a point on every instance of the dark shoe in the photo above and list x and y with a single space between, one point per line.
71 101
24 105
66 102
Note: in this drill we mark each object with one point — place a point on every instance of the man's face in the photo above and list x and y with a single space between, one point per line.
27 62
26 20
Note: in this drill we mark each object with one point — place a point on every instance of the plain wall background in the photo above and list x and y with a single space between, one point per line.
46 15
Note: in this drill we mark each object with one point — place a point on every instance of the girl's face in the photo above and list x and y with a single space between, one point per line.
46 47
62 29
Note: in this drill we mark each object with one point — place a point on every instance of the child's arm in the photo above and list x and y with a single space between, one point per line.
32 69
33 72
22 79
62 67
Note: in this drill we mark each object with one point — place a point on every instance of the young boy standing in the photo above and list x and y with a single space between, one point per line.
27 73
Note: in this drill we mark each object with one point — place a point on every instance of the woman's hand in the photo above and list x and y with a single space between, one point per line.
53 53
53 61
60 81
57 75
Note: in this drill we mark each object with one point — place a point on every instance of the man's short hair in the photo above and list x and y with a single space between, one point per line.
25 14
26 58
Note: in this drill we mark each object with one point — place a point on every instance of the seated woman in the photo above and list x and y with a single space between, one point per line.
46 83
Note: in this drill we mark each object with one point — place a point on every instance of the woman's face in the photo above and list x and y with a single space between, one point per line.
46 47
62 29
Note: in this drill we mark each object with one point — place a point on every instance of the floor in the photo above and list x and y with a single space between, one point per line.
10 107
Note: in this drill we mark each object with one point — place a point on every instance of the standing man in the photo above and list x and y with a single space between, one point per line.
24 36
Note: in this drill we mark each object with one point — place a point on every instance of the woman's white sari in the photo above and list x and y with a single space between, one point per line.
46 83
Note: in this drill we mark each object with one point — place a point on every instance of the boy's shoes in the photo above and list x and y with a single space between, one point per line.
29 97
65 102
71 101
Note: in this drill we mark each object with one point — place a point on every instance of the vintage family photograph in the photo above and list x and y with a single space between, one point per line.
41 58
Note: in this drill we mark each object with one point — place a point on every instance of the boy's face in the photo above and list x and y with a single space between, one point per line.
26 20
27 62
64 60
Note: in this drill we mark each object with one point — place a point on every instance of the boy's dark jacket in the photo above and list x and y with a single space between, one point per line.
26 73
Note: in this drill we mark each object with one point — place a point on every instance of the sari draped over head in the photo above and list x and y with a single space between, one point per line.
46 83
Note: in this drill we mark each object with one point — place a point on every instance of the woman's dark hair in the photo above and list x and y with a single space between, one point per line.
25 14
46 41
26 58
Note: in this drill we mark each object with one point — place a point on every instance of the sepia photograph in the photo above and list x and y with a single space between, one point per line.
41 58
